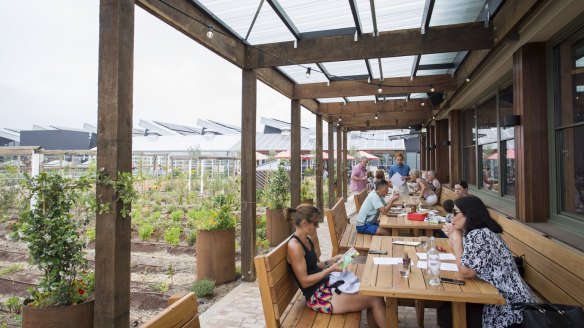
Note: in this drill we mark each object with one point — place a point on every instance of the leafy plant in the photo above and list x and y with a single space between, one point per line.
90 233
192 237
172 235
277 193
16 267
216 219
176 216
145 231
52 232
203 287
13 304
161 287
306 190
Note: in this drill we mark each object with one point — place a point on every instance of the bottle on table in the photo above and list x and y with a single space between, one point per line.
433 264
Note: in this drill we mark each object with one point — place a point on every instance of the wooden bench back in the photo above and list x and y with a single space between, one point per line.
552 269
359 199
276 282
183 313
337 222
446 193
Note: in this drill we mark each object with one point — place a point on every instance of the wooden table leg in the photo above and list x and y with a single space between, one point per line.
416 232
458 315
394 232
391 311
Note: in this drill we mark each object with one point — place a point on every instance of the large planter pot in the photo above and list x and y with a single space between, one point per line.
74 316
216 255
277 228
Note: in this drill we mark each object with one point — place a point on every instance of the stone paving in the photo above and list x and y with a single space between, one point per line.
242 307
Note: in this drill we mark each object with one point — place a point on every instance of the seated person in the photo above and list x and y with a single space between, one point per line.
480 251
367 219
461 189
433 182
421 185
312 275
448 206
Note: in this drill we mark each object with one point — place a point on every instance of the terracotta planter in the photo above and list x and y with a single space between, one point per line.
277 228
74 316
216 255
309 201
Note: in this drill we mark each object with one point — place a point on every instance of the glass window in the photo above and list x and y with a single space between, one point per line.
569 123
468 128
509 167
469 165
506 108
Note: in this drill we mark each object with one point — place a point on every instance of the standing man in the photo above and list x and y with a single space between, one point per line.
404 170
359 176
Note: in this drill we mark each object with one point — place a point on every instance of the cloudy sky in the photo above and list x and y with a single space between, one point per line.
48 71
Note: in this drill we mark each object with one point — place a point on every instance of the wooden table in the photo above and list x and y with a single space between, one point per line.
401 222
386 281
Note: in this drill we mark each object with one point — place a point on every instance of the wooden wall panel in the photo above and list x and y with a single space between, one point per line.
442 152
455 150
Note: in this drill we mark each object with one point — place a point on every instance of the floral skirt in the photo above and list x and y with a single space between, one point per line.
320 301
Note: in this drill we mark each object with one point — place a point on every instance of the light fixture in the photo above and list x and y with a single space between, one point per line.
210 32
340 119
433 117
308 72
379 89
432 89
467 79
376 117
423 103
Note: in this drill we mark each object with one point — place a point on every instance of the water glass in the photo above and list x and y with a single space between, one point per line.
424 242
406 269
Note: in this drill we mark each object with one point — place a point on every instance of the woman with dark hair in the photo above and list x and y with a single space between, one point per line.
461 189
312 275
480 251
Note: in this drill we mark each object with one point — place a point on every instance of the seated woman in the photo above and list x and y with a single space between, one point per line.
461 189
313 276
480 251
422 186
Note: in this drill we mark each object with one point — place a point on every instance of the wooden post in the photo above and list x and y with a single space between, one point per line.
248 173
423 148
345 154
455 147
319 166
114 155
431 143
295 153
442 171
340 162
331 165
531 137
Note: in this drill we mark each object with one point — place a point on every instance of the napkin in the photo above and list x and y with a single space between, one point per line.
351 282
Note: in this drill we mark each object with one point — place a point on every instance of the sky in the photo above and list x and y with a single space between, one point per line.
48 71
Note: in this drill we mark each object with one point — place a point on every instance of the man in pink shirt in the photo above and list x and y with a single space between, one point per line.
359 176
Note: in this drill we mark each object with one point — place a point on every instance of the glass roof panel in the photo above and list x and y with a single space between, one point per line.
268 27
331 100
364 9
298 73
392 67
448 12
392 97
441 58
237 17
346 68
310 15
399 14
418 95
362 98
432 72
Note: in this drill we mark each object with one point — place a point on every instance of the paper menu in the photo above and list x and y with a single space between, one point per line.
387 260
396 180
348 258
442 256
407 243
443 266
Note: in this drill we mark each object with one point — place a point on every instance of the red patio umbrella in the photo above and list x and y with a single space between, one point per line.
366 154
260 157
283 154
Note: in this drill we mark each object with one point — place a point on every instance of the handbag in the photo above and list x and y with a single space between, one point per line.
546 315
519 262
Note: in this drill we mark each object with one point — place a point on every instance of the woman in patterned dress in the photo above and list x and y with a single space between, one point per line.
480 251
312 275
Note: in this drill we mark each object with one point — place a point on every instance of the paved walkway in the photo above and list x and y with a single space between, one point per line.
242 307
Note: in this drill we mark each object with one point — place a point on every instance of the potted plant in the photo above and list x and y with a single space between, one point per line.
215 243
306 192
53 229
277 196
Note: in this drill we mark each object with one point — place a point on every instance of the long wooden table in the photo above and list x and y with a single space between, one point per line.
386 281
401 222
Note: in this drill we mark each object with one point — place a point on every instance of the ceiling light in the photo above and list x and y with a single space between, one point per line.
423 104
432 89
340 119
376 117
379 89
467 79
210 32
308 72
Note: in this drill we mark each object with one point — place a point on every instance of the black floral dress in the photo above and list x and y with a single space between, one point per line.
487 254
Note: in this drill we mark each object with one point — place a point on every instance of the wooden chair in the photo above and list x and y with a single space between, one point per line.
181 313
344 234
359 199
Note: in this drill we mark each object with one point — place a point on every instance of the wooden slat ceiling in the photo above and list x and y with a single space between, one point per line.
399 101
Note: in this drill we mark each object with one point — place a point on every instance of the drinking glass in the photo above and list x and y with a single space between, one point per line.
424 242
406 269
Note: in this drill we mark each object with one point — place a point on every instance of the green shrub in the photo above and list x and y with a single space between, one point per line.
161 287
155 217
203 287
90 233
176 216
192 237
172 235
145 231
13 304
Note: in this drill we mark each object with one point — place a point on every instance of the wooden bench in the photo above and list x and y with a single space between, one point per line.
359 199
182 312
553 270
343 233
282 300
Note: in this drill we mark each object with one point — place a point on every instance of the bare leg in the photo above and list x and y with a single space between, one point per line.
354 302
383 232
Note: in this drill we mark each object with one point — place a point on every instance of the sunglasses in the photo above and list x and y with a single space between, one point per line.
455 212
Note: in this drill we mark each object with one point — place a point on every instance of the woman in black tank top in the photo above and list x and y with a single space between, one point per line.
312 275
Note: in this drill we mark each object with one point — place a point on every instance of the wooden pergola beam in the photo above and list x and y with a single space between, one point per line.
366 125
390 86
382 117
369 107
449 38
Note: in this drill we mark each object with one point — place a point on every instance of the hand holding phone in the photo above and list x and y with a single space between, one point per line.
452 281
